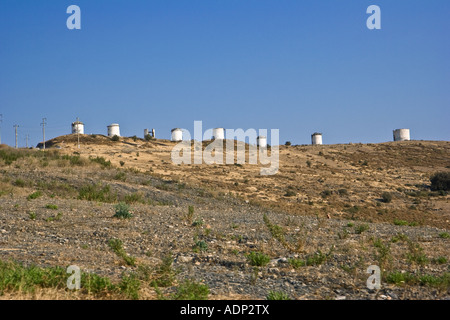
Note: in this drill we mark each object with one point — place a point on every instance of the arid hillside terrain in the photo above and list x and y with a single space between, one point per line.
141 227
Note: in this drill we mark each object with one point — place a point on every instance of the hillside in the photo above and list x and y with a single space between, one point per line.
329 213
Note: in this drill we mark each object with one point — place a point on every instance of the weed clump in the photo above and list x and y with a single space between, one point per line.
123 211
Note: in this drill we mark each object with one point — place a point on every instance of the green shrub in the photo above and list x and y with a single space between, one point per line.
258 259
51 206
122 211
386 197
97 192
361 228
34 195
288 143
440 181
121 176
296 263
133 198
191 290
115 138
19 183
277 295
117 246
200 246
101 161
444 235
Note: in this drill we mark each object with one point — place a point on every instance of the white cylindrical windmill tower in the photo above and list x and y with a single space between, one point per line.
316 138
113 130
402 135
218 134
261 141
77 127
177 134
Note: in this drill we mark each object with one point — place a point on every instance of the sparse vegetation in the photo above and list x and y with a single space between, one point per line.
444 235
34 195
361 228
191 290
386 197
117 246
123 211
440 181
258 259
101 161
97 192
277 295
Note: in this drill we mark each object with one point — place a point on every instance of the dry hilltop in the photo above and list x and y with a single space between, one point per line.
140 227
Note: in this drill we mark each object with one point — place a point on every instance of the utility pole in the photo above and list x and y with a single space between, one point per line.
44 122
15 127
1 120
78 131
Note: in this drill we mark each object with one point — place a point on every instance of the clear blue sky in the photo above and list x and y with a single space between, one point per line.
297 66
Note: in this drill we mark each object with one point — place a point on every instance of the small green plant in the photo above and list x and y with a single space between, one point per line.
383 253
400 222
19 183
416 254
343 234
165 274
55 218
198 222
399 237
32 215
190 214
277 295
117 246
123 211
133 198
51 206
440 260
34 195
200 246
101 161
361 228
296 263
121 176
308 163
444 235
97 192
115 138
191 290
258 259
122 163
288 143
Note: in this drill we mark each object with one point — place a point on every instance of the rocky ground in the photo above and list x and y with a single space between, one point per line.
339 234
